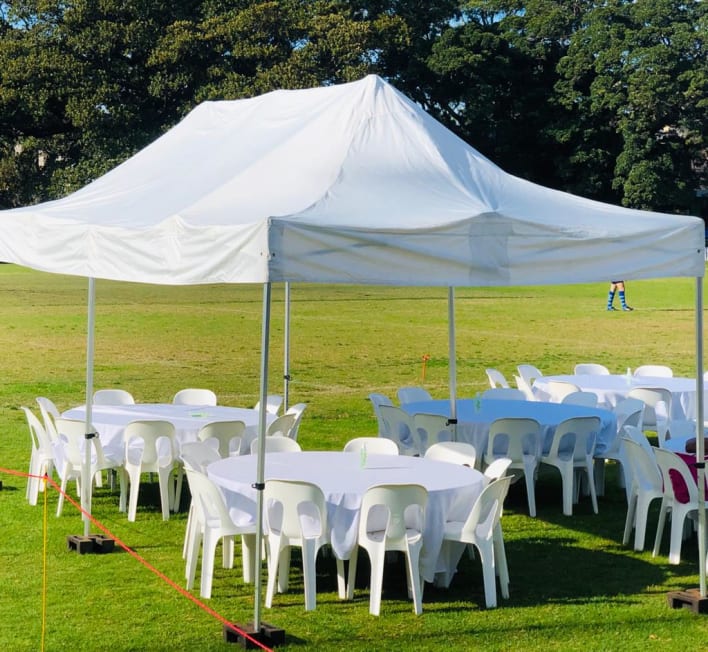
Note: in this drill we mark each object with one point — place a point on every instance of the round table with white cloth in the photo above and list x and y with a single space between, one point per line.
452 490
611 389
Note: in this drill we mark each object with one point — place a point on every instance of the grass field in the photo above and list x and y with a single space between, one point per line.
574 586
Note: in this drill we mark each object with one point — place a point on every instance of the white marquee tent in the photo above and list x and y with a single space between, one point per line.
342 184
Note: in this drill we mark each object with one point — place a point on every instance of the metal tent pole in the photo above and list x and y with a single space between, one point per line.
286 351
452 360
86 468
700 439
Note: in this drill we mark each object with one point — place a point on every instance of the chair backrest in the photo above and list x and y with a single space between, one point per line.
38 433
674 474
225 436
72 434
197 455
504 394
376 401
295 509
680 429
498 468
273 403
644 471
404 505
194 396
49 412
525 388
208 498
277 444
637 436
587 399
496 378
113 397
590 369
282 425
373 445
629 411
659 370
455 452
559 389
298 410
431 429
575 438
652 397
151 451
529 373
513 438
398 425
487 509
413 395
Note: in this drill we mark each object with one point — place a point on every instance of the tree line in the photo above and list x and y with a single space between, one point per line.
607 100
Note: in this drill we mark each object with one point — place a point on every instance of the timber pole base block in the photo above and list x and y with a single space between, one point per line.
91 543
690 598
268 635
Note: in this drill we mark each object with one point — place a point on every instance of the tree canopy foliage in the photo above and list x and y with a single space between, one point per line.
605 99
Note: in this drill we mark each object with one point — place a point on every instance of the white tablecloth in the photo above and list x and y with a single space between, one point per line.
613 388
110 420
475 417
452 489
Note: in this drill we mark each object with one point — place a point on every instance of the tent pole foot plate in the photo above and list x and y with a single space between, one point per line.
690 598
91 543
268 635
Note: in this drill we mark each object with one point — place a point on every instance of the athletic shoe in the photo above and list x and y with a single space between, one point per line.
627 308
611 308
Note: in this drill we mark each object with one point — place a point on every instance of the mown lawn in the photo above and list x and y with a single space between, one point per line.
574 586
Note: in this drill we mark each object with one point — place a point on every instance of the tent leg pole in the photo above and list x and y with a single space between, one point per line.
86 479
452 360
286 351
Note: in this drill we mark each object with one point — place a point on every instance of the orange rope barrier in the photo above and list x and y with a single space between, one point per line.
136 556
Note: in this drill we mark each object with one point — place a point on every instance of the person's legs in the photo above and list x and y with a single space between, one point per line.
623 302
611 295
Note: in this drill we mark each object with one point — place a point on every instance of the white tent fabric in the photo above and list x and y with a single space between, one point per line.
341 184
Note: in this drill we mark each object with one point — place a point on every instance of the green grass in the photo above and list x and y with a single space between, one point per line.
574 586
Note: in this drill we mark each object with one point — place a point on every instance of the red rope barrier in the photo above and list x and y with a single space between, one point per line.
140 559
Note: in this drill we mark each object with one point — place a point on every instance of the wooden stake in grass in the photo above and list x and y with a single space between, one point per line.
426 357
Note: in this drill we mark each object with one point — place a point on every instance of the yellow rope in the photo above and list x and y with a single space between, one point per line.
44 566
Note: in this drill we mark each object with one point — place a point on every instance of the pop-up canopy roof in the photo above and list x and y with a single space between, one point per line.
342 184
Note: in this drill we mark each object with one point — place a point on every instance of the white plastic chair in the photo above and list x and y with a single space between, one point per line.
656 370
212 523
571 453
297 410
373 446
669 462
296 514
193 396
413 395
504 394
525 388
628 412
529 373
431 429
455 452
520 440
398 425
559 389
41 456
282 426
482 529
150 447
376 401
645 485
586 399
224 436
49 412
72 439
658 405
273 403
392 518
590 369
497 469
277 444
113 397
496 378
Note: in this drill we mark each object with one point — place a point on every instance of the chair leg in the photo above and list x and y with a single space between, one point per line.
501 563
351 579
208 555
486 555
629 521
413 569
660 528
309 561
531 492
376 580
249 557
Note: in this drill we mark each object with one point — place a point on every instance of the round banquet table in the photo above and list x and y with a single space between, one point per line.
475 416
611 389
110 420
452 490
